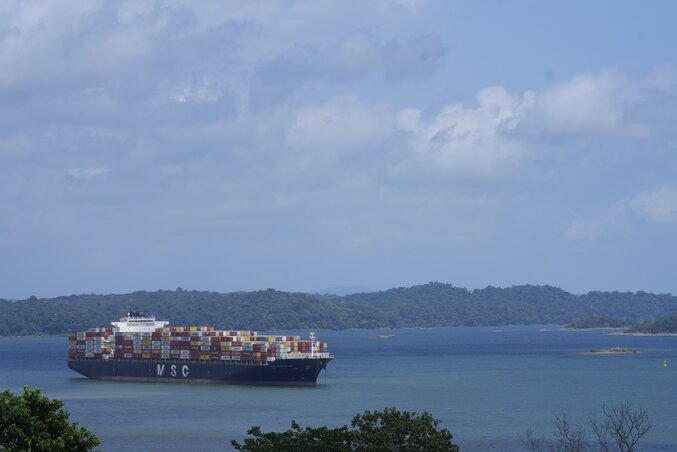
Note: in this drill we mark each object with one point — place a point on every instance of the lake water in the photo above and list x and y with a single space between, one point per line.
486 384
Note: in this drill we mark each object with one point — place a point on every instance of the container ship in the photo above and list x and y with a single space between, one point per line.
140 348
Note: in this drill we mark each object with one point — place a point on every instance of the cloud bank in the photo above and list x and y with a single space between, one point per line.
181 138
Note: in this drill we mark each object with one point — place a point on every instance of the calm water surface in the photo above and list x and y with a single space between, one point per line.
486 384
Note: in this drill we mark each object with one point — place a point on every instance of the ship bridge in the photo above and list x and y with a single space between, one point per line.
137 322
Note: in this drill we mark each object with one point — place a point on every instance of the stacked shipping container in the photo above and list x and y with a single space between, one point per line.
90 344
188 343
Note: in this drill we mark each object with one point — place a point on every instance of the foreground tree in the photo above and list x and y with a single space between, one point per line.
371 431
618 428
297 438
33 422
566 437
391 429
621 427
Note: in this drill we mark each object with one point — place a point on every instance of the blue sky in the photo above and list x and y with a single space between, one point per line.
307 144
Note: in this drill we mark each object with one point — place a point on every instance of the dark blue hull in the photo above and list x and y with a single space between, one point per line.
279 372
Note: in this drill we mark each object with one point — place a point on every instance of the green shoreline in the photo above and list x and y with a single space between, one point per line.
600 328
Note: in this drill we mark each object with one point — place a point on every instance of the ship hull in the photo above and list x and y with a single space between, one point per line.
295 372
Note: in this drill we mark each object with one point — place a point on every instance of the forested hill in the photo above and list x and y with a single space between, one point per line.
433 304
666 325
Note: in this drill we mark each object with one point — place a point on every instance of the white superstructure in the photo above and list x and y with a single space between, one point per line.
136 322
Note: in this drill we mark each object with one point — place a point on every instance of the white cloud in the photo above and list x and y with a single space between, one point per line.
321 134
590 102
355 53
201 91
359 54
413 57
131 10
658 206
505 130
469 140
595 226
79 176
410 3
663 78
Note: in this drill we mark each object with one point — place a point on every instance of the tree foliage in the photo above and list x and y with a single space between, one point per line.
297 438
371 431
33 422
428 305
666 325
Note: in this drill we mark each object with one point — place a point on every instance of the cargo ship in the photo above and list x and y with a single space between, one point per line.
140 348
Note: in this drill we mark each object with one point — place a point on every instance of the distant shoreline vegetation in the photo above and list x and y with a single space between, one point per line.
666 325
599 322
428 305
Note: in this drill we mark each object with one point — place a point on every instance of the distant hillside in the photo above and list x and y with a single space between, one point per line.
432 304
346 290
666 325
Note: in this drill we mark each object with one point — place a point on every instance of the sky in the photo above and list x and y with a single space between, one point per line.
307 144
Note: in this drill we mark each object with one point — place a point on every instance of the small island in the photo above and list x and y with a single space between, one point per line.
383 336
611 351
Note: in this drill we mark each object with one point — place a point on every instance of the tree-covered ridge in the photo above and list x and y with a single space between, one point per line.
428 305
666 325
